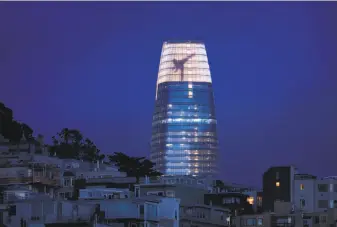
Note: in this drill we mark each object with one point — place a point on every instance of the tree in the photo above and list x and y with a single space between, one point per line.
70 143
134 166
219 184
11 129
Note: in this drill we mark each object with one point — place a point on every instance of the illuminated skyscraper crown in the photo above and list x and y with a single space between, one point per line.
183 61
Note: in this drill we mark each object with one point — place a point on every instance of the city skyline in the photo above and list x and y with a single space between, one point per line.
94 69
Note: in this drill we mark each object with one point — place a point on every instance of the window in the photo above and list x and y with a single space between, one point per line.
331 188
277 184
316 220
251 222
322 187
331 204
302 186
260 221
302 203
322 219
170 194
323 204
250 200
137 192
66 182
141 209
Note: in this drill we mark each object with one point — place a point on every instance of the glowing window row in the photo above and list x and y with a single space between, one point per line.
183 133
185 120
190 78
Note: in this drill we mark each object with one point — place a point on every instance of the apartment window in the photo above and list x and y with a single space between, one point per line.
277 184
331 188
323 204
170 194
277 175
322 187
137 192
302 186
302 203
66 182
331 203
260 221
68 195
316 220
221 215
141 209
251 222
322 219
250 200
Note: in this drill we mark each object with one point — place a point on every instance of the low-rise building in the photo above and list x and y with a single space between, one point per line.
313 194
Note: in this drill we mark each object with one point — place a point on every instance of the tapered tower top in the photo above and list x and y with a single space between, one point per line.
183 61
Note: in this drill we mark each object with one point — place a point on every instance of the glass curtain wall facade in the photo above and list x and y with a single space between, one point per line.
184 139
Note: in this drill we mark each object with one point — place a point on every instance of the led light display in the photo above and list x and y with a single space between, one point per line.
184 139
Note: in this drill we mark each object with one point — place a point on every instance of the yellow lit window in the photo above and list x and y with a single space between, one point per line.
302 186
277 184
250 200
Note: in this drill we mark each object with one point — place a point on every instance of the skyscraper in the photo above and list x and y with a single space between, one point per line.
184 139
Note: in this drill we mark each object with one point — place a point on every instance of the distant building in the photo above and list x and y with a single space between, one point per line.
278 185
191 192
283 216
184 137
313 194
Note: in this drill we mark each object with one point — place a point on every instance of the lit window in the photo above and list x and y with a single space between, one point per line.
302 186
277 184
190 85
250 200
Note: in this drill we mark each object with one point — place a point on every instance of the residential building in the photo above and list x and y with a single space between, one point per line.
184 137
284 216
313 194
278 185
191 192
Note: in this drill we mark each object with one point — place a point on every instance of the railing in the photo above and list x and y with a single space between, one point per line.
127 180
29 180
45 180
15 180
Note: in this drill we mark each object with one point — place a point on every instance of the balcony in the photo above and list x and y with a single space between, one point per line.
29 180
15 180
45 181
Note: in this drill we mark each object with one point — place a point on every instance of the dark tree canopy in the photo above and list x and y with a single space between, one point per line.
70 143
134 166
11 129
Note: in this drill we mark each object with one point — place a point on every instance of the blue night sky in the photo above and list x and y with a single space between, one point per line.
93 66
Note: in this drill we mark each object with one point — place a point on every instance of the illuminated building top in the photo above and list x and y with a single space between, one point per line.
183 61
